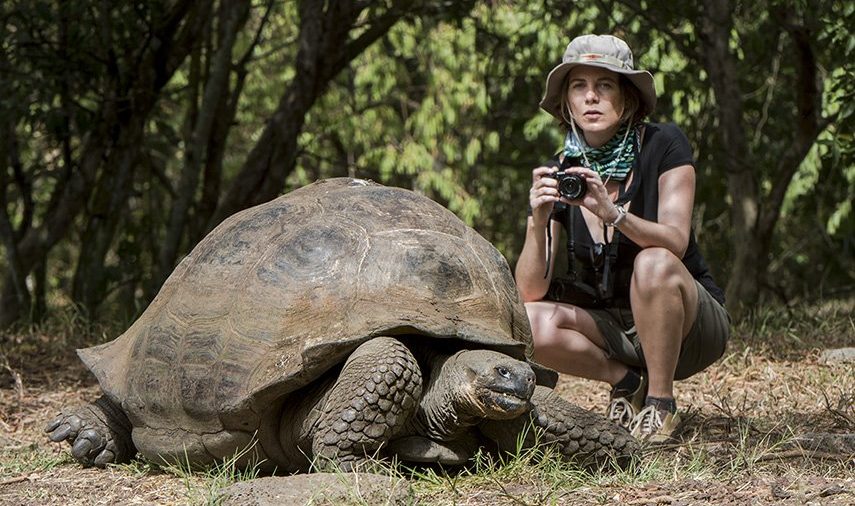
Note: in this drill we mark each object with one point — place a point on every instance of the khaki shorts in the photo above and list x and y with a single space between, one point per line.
704 344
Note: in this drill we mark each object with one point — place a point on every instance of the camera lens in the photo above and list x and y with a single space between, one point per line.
572 187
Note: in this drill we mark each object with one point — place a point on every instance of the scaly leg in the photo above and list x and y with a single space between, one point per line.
577 434
376 391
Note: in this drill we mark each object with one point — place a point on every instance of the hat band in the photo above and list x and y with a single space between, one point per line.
599 58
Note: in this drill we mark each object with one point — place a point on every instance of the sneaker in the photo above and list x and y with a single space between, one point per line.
624 406
654 425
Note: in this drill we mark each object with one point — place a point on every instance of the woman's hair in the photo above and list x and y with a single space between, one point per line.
634 108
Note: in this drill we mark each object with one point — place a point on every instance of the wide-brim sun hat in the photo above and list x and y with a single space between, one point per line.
604 51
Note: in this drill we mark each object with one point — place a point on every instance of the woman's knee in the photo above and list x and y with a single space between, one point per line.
657 268
539 321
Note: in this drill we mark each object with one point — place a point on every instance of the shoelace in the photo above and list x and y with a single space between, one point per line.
621 411
647 422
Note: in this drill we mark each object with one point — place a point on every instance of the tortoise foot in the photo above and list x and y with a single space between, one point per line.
99 433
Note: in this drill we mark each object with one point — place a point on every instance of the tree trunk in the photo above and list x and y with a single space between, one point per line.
16 272
233 16
721 66
753 223
105 214
215 149
155 69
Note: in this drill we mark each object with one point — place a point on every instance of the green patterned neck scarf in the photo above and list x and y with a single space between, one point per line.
612 160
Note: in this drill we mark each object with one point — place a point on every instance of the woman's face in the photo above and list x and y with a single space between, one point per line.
596 102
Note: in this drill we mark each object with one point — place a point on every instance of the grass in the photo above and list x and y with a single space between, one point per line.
204 485
788 332
23 460
746 420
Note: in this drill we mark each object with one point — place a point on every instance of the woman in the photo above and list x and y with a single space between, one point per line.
639 308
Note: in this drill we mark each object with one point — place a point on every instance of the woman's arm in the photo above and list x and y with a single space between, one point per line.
674 220
531 265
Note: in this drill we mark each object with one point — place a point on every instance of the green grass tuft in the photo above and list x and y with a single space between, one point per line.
204 485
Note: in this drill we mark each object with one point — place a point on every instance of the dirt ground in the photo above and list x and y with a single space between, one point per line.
762 426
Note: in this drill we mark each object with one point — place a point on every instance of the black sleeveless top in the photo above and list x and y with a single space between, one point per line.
664 147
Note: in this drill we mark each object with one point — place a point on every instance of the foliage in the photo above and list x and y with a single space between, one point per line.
127 133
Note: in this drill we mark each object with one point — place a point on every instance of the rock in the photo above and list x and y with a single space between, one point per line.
838 356
319 488
843 444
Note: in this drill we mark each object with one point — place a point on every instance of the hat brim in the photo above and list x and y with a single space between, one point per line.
551 101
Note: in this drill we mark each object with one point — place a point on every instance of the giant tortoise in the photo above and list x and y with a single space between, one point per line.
341 322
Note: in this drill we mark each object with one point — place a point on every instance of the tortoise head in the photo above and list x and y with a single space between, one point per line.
492 385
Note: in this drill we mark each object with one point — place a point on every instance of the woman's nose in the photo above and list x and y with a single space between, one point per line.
591 95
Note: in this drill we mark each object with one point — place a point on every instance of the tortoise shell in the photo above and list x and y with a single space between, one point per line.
280 293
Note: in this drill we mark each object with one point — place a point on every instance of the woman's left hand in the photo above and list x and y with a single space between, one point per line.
596 198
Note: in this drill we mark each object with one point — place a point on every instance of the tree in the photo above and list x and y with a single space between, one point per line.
112 70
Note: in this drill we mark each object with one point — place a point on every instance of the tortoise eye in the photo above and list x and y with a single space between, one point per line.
503 372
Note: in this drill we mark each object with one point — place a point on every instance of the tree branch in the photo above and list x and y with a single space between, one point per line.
807 123
683 41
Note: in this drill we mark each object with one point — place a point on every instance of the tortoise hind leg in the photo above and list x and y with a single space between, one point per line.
375 393
578 435
99 433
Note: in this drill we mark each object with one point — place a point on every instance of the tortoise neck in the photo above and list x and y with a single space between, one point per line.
443 413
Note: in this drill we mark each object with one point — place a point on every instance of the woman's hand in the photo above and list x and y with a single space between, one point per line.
596 198
543 194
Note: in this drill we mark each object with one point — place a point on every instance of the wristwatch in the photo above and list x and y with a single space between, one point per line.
621 215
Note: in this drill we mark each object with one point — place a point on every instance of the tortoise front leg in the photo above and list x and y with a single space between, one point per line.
577 434
99 433
376 392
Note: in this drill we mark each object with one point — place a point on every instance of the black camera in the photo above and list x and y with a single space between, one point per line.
570 186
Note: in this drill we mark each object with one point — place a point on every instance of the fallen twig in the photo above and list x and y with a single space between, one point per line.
827 491
662 499
792 454
16 479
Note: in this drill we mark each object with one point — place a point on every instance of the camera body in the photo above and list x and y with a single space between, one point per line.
570 186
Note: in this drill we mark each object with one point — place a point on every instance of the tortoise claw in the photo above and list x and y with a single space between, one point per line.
99 433
80 451
87 446
53 424
64 427
61 433
105 457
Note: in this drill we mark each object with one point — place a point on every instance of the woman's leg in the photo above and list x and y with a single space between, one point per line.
567 339
664 300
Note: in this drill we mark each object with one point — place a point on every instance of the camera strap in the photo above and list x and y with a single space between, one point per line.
565 162
548 244
625 194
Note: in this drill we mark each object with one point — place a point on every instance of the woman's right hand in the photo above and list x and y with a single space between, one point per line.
543 194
